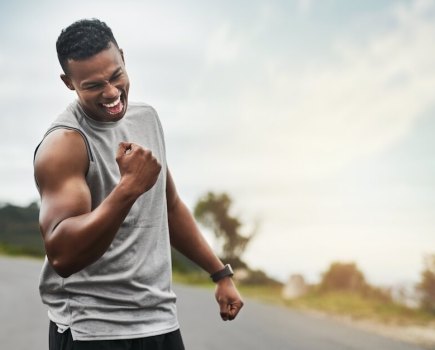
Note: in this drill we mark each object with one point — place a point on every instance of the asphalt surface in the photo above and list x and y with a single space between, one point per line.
24 323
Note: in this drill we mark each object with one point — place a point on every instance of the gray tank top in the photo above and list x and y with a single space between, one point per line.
127 292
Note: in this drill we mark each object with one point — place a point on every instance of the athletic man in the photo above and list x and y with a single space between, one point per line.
110 211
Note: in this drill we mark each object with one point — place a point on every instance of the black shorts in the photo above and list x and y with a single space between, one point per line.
64 341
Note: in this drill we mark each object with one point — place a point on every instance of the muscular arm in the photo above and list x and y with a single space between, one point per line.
184 233
188 240
74 236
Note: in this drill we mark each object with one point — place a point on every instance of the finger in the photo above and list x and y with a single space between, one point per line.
224 309
122 148
224 316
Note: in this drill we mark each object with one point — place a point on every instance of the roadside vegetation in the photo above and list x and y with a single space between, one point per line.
342 291
363 304
19 231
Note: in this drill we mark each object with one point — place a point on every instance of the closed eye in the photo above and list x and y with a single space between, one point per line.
116 77
93 87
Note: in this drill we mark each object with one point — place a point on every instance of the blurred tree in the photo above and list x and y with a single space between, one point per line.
343 276
213 211
346 277
427 284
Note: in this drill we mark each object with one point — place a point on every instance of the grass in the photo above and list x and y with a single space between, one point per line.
198 279
269 294
17 251
359 307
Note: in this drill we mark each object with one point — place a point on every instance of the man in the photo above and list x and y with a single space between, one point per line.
110 211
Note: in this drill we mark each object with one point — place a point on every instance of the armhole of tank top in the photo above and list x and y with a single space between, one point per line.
85 139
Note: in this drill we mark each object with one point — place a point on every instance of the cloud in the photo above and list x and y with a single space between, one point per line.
223 46
305 6
280 133
316 118
309 120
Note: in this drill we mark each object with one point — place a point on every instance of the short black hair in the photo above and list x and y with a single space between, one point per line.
83 39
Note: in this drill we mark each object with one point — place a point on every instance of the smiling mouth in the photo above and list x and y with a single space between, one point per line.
114 107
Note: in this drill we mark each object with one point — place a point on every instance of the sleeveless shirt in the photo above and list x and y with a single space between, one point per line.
127 293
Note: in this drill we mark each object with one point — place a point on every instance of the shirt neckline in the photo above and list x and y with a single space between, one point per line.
96 123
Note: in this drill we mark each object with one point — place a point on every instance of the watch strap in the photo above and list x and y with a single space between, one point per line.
227 271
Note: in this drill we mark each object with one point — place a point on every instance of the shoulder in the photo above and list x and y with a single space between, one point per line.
62 151
139 111
142 107
62 141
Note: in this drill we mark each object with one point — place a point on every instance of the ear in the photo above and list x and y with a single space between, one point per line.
67 81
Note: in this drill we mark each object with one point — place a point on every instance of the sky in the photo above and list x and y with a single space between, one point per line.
316 117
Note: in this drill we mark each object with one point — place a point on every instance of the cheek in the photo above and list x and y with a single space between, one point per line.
87 98
126 84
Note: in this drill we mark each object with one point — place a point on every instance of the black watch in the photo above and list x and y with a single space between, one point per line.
227 271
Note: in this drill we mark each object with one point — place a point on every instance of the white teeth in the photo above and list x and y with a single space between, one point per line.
113 104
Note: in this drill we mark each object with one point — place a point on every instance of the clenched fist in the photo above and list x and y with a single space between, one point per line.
138 167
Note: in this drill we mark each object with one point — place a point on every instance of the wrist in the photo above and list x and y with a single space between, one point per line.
127 191
225 273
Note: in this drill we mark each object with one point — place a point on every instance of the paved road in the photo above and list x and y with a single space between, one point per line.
23 321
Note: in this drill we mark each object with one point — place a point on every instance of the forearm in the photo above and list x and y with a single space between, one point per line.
77 242
188 240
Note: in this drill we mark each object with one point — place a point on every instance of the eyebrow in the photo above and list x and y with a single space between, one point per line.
98 82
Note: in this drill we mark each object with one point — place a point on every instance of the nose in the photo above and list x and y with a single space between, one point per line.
110 91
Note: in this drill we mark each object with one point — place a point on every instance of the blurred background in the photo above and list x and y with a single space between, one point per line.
314 119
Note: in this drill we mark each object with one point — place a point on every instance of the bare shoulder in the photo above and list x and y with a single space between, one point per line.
61 154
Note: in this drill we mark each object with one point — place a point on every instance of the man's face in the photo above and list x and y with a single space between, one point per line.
101 83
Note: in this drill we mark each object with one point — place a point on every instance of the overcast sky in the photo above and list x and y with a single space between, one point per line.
317 117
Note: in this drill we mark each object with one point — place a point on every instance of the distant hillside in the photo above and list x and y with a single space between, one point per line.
19 229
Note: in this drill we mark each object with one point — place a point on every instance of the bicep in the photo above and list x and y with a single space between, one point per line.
60 170
69 200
